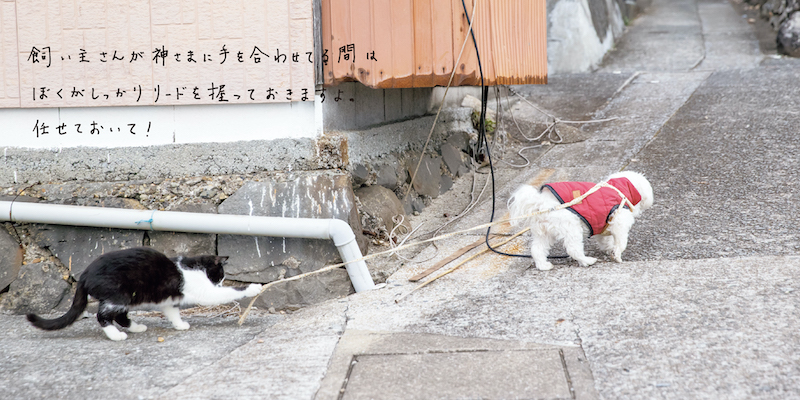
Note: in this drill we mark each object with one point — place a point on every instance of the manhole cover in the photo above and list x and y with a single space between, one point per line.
397 365
516 374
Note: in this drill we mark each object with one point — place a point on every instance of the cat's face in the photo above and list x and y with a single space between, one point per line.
214 268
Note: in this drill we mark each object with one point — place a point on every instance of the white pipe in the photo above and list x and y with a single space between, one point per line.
309 228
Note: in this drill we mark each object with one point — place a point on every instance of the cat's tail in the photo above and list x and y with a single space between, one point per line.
78 305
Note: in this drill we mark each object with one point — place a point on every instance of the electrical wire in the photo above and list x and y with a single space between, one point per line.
482 137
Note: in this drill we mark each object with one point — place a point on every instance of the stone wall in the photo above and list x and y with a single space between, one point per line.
784 18
41 263
388 155
96 164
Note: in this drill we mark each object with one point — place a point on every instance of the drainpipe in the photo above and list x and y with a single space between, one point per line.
173 221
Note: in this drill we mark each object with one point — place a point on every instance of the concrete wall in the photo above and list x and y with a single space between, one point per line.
351 105
580 32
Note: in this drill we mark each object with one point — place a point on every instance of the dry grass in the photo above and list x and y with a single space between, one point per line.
223 311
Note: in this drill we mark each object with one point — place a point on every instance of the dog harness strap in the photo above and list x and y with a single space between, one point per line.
596 209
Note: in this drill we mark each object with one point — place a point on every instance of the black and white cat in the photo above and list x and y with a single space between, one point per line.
126 278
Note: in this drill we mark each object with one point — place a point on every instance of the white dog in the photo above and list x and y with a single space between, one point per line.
601 215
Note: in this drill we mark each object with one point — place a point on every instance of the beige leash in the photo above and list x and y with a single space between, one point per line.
440 237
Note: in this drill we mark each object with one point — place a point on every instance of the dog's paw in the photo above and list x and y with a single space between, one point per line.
587 261
546 266
617 256
252 290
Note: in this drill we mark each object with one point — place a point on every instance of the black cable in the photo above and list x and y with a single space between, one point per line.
482 139
482 119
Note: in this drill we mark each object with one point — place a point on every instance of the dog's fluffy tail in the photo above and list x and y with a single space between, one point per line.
78 305
525 201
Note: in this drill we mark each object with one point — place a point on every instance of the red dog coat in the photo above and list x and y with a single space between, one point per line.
596 209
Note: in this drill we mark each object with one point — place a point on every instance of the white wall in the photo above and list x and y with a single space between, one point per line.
167 125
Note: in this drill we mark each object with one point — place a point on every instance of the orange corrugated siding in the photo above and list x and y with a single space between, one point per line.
416 42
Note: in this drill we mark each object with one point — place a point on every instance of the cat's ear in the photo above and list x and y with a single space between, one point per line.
222 260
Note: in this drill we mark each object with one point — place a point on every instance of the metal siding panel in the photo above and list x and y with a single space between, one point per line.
467 68
402 43
442 41
423 47
361 37
505 50
540 38
382 23
416 42
340 37
486 29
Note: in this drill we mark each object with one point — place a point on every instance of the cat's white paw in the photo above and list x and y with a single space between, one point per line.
114 334
137 328
181 325
252 290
